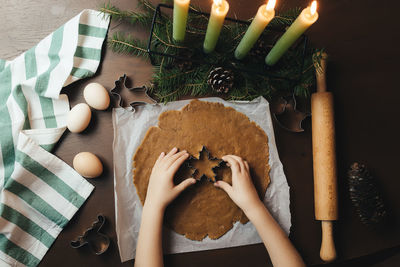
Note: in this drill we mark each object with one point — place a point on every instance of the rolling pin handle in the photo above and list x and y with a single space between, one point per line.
328 251
321 73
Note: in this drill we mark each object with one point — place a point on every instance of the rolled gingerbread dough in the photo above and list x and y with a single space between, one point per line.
202 209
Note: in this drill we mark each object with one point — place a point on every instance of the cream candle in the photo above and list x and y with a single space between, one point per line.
307 17
264 15
219 10
181 8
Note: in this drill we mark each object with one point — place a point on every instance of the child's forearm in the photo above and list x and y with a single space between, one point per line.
280 249
149 247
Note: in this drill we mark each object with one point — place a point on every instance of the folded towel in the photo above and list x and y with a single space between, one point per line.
39 193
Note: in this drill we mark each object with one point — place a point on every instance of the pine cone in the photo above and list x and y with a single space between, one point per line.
220 80
364 195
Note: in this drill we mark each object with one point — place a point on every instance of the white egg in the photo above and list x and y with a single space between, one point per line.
88 165
78 118
96 96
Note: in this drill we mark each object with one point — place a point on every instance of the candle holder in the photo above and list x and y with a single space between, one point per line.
245 65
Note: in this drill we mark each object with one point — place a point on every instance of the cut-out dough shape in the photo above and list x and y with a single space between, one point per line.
203 209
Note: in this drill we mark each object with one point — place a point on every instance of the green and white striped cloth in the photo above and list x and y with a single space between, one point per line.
39 193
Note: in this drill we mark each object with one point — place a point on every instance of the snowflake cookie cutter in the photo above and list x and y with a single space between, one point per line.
97 242
140 95
195 173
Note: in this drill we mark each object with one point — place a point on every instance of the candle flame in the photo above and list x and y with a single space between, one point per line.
218 2
313 8
270 5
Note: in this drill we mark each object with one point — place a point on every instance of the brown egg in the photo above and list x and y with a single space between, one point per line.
96 96
88 165
79 118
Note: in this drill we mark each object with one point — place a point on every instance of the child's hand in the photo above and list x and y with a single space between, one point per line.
161 190
242 190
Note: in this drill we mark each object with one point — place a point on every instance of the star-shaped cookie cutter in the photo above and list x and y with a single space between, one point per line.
220 163
140 95
97 242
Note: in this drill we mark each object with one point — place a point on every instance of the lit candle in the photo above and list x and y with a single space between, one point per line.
219 10
307 17
264 15
181 8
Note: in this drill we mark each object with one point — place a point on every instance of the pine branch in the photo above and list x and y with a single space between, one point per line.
127 45
129 16
170 82
286 18
146 5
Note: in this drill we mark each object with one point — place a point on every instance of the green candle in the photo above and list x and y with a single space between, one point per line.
307 17
219 10
264 15
181 8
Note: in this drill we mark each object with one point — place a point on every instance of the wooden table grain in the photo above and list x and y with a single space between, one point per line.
362 40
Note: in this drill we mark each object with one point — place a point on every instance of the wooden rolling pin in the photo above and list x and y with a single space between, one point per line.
324 161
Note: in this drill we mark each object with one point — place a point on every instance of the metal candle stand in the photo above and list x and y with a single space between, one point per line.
265 70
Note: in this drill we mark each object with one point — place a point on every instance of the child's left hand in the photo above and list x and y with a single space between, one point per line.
161 190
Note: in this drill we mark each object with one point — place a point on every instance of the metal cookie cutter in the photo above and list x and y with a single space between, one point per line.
288 116
140 95
204 152
98 242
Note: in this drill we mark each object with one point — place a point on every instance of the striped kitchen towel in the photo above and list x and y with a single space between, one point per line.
39 193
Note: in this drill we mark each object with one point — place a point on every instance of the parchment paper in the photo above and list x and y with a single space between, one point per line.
129 130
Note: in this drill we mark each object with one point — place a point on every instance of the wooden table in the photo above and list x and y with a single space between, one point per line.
362 38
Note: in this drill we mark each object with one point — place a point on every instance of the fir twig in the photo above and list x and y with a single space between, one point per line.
169 44
127 45
146 5
170 82
129 16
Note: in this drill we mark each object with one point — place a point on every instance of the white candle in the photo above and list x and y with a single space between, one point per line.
307 17
264 15
181 9
219 10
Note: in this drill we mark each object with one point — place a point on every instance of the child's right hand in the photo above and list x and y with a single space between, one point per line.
242 190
